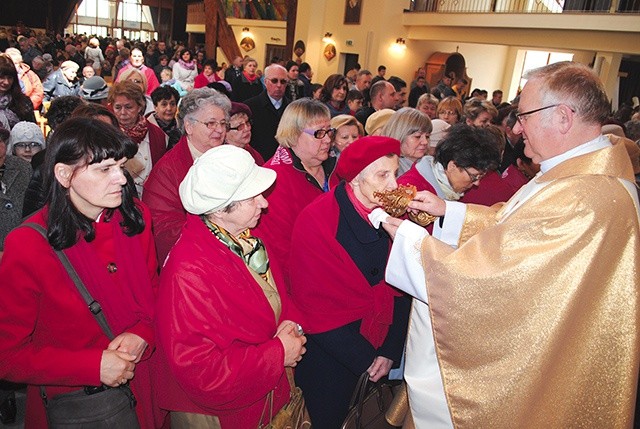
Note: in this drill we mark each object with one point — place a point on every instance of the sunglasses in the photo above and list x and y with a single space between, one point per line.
275 81
241 126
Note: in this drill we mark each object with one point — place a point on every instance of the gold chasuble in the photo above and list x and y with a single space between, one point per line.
535 315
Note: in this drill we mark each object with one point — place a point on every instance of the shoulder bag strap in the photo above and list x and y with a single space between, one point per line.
94 306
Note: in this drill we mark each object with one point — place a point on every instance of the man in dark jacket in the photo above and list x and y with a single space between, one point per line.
267 108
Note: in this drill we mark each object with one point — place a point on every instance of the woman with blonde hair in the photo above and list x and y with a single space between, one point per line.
413 129
450 110
479 113
428 104
94 53
348 129
305 170
248 84
137 77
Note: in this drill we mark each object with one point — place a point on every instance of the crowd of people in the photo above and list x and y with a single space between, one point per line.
227 221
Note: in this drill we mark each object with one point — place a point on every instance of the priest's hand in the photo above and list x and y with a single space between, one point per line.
379 368
391 225
427 202
293 341
129 343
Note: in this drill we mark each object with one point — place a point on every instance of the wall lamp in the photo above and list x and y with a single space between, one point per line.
327 38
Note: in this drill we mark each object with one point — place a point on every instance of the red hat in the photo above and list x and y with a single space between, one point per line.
240 108
363 152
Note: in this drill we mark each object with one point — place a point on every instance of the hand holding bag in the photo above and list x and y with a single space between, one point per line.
95 407
368 405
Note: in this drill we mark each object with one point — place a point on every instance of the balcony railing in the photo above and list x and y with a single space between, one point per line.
526 6
273 10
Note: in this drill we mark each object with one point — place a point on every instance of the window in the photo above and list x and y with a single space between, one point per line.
535 59
98 17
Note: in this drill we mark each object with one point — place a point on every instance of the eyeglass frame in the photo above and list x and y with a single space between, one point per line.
248 122
522 117
474 177
27 145
319 134
275 81
211 124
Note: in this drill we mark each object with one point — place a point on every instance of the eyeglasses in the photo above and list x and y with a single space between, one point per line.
523 116
212 125
448 113
29 145
319 134
241 126
474 177
135 80
275 81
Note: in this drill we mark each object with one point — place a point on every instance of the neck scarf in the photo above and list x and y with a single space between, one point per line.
362 210
7 116
166 126
186 65
443 181
138 131
250 78
250 249
211 78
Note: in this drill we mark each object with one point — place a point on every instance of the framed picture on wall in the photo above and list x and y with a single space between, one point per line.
352 11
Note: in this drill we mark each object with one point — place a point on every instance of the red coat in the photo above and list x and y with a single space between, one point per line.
492 189
47 334
218 329
201 80
413 177
157 142
514 178
162 196
292 192
152 80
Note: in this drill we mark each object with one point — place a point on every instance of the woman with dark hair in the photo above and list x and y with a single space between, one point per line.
14 105
165 102
96 111
185 70
208 74
50 338
334 94
462 159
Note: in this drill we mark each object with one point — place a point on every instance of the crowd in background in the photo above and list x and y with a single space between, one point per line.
170 109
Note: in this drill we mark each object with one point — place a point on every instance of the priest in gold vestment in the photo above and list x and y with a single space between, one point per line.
526 314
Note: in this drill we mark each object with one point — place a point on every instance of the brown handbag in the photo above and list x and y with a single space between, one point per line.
293 415
368 405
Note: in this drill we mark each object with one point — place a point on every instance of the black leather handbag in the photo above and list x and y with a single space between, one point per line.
368 405
94 407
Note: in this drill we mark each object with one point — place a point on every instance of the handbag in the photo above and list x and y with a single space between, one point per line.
95 407
293 415
368 405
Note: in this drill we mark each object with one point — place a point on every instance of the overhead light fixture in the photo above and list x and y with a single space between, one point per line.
327 38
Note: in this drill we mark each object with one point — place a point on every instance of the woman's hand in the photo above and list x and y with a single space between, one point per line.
129 343
427 202
293 341
379 368
116 367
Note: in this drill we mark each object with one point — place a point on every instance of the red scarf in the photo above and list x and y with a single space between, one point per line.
362 210
138 131
250 78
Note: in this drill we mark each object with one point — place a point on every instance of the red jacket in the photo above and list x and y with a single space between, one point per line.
152 80
47 334
492 189
216 333
514 178
201 80
293 190
162 196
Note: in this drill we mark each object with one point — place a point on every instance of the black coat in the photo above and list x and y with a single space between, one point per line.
265 123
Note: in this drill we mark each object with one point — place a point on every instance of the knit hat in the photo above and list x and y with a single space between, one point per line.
378 120
221 176
439 131
94 88
362 152
240 108
25 132
69 65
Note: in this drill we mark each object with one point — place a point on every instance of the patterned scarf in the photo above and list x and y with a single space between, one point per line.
138 131
186 65
166 126
8 118
443 181
250 249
